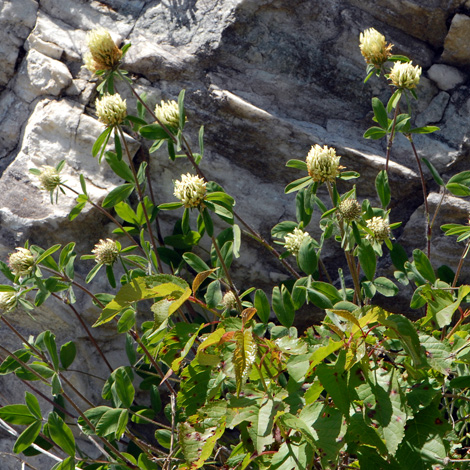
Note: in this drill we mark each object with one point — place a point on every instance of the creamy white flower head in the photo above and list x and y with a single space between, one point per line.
405 75
349 210
7 301
229 301
374 47
106 252
292 241
111 109
323 163
21 262
380 229
168 114
104 54
191 190
49 178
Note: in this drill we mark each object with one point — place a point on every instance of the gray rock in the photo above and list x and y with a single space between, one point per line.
455 46
445 76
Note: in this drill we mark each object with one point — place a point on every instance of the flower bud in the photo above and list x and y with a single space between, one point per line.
168 114
7 301
229 301
106 252
323 164
191 190
21 262
405 75
49 178
349 210
111 109
374 47
380 229
292 241
104 54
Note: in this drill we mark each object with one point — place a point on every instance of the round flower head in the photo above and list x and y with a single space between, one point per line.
106 252
111 109
49 178
229 301
405 75
374 47
7 301
191 190
104 54
292 241
168 114
380 229
21 262
323 164
349 210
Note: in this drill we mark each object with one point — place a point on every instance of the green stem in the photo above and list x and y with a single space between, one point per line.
459 267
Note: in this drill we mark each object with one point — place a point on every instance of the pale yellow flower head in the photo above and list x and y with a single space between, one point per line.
374 47
229 301
7 301
380 229
405 75
168 114
323 163
292 241
21 262
349 210
49 178
111 109
104 54
191 190
106 252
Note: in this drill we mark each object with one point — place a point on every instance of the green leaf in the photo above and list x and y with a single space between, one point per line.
33 405
307 258
298 184
61 433
457 189
393 101
126 321
195 262
112 423
153 132
201 140
423 265
424 130
17 414
169 206
283 228
101 141
50 343
368 260
27 437
67 464
261 304
380 112
68 352
47 253
126 212
383 188
244 355
283 306
374 133
182 115
299 164
117 195
385 286
119 166
208 224
123 387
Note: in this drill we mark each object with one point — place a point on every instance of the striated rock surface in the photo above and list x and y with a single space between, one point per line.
267 78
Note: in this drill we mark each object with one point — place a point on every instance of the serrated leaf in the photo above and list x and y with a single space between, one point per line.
244 355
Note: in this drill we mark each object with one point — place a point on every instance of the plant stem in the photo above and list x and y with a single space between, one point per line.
459 267
425 197
392 136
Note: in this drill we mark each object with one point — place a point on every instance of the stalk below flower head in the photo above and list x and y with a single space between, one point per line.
191 190
21 262
168 114
323 164
405 75
104 54
374 47
106 252
292 241
111 109
380 229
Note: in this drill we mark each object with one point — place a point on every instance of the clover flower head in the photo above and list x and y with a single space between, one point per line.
191 190
229 301
405 75
106 252
292 241
21 262
8 301
374 47
49 178
111 109
349 210
168 114
104 54
380 229
323 163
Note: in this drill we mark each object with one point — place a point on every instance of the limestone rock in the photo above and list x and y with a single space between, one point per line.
445 76
456 50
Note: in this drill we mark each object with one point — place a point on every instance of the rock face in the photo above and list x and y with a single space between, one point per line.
267 78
